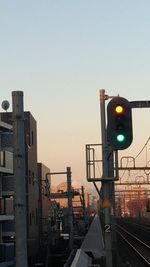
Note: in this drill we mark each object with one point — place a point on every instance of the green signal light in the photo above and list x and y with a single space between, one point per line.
120 138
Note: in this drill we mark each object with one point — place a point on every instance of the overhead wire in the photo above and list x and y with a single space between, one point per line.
136 156
143 147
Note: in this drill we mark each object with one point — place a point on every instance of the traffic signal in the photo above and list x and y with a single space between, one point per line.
119 123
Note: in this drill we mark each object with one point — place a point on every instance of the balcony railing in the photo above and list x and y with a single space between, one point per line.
7 255
6 162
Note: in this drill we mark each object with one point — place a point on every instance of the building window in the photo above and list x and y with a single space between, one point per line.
32 178
36 216
2 206
33 217
28 139
32 138
30 222
2 158
29 173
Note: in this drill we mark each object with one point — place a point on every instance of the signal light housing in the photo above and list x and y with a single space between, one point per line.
119 123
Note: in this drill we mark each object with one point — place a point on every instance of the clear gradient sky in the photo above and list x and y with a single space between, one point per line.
60 53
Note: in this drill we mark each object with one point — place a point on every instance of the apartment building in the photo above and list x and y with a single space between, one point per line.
7 232
34 174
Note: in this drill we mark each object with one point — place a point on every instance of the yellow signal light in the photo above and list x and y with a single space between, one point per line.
119 109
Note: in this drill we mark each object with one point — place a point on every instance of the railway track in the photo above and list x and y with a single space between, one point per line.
140 247
139 230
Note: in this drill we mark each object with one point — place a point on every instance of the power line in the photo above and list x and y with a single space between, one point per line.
143 147
135 156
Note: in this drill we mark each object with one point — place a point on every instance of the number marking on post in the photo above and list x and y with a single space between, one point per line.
107 228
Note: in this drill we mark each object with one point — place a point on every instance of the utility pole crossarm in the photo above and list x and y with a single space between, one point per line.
140 104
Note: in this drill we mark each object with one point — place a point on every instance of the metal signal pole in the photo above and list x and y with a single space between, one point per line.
106 185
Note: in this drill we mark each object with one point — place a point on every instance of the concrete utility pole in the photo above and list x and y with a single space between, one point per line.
83 206
70 211
19 179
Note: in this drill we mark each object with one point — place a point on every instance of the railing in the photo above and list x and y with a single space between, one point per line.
6 162
7 255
